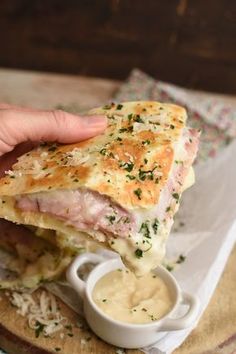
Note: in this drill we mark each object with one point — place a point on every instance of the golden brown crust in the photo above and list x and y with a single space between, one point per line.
130 162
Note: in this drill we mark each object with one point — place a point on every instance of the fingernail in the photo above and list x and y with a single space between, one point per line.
95 120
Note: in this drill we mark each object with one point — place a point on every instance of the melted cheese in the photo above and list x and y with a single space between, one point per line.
189 179
123 297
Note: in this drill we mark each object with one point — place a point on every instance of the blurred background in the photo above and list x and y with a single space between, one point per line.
186 42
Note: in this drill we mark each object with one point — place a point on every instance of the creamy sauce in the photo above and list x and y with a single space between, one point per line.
152 256
127 298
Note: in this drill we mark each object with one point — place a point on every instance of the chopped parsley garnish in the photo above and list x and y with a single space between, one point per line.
111 218
104 300
155 226
181 259
111 155
119 139
142 174
128 166
145 161
138 193
130 116
119 107
176 196
126 220
143 309
169 268
172 126
122 130
138 119
168 208
130 177
144 229
146 142
39 329
103 151
57 349
129 129
138 253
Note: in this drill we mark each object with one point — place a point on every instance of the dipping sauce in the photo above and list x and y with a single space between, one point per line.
127 298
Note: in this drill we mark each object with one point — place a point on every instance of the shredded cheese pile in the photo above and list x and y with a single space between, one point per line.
41 311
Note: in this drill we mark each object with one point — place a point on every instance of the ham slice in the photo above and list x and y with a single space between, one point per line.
88 210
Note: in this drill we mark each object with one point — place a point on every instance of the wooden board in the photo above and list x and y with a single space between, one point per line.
17 338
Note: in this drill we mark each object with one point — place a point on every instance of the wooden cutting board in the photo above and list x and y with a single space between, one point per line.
17 338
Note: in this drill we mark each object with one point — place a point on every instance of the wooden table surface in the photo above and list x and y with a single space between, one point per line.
50 91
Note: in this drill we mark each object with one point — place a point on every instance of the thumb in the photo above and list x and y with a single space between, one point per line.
17 126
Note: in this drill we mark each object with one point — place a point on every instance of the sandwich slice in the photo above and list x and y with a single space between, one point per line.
120 189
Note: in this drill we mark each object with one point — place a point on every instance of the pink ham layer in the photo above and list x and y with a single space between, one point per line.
87 210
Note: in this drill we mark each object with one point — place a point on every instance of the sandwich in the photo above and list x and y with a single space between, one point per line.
119 190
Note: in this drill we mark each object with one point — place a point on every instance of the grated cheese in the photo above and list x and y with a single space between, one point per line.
75 157
41 310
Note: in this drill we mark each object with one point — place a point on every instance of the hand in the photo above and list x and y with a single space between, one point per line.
21 129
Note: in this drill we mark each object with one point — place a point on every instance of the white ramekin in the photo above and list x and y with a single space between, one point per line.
123 334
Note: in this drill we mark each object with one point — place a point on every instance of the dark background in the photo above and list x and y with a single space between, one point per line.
187 42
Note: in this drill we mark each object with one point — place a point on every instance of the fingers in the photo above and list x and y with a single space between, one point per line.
17 126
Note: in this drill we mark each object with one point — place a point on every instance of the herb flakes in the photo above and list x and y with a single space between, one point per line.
111 218
39 329
155 225
138 193
176 196
181 259
128 166
144 229
138 253
130 177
